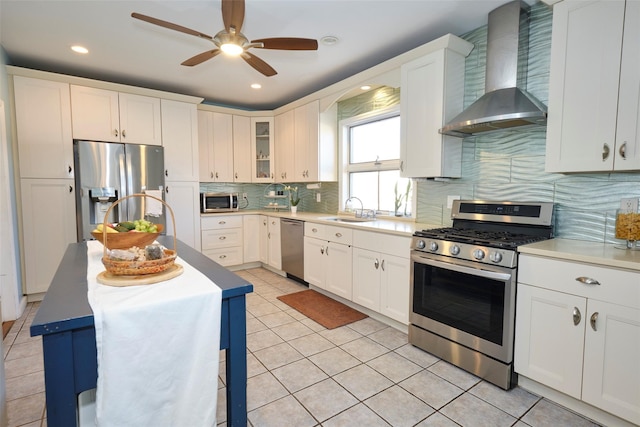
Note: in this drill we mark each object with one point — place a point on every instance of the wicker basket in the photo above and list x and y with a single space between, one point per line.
137 268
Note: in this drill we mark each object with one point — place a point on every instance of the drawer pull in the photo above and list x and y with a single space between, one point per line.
587 280
338 234
222 222
222 256
222 237
315 230
593 320
577 317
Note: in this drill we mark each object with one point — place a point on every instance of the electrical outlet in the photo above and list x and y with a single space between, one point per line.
318 198
244 195
450 200
629 205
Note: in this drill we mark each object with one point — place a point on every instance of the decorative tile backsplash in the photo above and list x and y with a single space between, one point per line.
502 166
510 165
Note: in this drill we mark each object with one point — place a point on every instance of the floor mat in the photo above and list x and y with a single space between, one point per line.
322 309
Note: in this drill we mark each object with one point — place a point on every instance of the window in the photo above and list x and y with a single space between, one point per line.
370 148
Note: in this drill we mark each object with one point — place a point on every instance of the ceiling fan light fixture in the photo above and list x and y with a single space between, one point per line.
256 86
231 49
79 49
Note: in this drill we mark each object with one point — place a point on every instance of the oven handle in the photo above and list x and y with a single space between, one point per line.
462 269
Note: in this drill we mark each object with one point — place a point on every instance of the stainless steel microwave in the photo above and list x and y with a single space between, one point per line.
218 202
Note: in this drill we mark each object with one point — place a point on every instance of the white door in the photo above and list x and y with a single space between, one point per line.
222 147
180 140
205 146
48 227
612 359
95 113
339 269
140 119
549 339
275 247
315 265
366 278
251 240
241 149
43 122
183 198
285 147
264 239
395 287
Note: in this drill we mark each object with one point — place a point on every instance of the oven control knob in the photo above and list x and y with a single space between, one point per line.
420 244
478 254
455 250
495 257
433 246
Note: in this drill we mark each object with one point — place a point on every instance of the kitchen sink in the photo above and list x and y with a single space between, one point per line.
349 219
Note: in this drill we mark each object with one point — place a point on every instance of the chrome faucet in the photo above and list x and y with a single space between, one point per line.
361 205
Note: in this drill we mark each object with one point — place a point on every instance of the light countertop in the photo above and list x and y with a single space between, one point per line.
398 227
606 255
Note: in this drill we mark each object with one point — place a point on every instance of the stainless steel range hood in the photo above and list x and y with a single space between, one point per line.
504 104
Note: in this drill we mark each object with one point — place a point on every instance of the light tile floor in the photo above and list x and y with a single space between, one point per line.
301 374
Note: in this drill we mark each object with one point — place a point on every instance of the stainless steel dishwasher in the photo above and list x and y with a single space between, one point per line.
292 246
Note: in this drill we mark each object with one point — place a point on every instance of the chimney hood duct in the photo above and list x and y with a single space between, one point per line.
504 105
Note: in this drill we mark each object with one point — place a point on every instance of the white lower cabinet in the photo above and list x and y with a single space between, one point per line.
578 332
222 238
381 270
250 233
327 258
48 226
270 247
184 199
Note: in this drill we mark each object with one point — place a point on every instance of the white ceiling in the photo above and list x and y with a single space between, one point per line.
38 34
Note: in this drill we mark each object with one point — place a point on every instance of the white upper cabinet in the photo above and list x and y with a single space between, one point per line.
262 149
431 94
594 87
180 140
285 146
241 149
215 145
43 122
315 143
105 115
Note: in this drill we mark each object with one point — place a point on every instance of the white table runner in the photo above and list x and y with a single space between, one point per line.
158 349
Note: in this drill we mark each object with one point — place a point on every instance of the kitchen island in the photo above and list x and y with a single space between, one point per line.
65 321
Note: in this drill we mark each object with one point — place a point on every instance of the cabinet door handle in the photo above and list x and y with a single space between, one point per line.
268 235
377 263
70 169
577 317
587 280
222 237
402 166
605 151
338 234
124 134
211 173
216 175
70 189
115 132
326 251
593 320
623 151
322 250
236 175
166 172
382 265
166 189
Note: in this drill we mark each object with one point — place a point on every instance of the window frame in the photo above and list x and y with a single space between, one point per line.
345 168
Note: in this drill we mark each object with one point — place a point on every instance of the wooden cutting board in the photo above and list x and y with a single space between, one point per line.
109 279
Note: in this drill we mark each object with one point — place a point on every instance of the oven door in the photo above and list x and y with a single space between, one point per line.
466 302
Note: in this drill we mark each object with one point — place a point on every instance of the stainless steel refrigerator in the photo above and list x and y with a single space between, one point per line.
106 172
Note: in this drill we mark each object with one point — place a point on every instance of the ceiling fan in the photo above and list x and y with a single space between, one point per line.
230 40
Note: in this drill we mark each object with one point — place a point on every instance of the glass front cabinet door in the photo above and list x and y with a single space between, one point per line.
262 149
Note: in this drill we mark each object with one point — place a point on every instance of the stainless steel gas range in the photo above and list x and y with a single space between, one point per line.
463 284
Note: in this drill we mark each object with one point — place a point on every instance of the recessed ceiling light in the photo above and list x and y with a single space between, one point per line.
365 87
79 49
329 40
256 86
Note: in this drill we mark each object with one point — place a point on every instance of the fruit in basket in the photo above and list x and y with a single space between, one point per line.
100 229
145 226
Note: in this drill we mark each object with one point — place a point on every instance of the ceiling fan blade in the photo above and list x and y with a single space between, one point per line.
233 14
288 43
170 25
201 57
258 64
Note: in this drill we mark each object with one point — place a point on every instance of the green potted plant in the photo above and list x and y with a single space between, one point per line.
398 199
